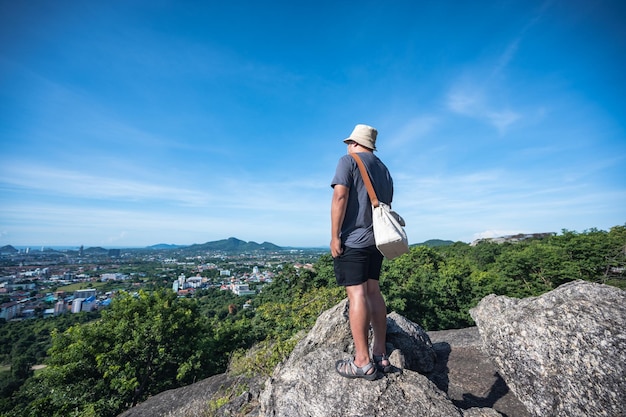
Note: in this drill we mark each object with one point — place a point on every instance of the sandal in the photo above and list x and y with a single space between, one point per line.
379 361
348 369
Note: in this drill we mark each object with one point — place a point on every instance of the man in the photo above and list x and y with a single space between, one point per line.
357 262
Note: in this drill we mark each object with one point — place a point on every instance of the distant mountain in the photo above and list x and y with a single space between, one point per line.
161 246
432 243
234 245
8 249
96 250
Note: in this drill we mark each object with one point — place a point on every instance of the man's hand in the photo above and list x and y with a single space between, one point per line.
335 247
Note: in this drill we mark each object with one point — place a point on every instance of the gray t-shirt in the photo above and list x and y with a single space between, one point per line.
356 230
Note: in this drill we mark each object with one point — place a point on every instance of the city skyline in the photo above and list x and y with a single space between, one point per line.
137 123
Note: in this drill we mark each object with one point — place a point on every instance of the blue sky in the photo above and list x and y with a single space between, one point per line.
131 123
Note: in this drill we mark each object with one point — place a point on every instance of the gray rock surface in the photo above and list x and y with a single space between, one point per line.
562 353
408 345
201 399
307 385
410 339
453 362
461 369
468 375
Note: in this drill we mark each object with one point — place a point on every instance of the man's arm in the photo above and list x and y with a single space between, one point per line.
337 214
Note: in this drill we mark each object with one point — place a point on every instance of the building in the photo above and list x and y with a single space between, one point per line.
513 238
91 292
77 305
194 282
241 289
89 304
9 310
60 307
117 276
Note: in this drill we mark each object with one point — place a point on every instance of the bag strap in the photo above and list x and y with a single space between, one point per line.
366 180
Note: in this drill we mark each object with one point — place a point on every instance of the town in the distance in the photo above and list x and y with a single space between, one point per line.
47 282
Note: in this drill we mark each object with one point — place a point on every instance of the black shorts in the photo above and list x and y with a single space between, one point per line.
356 265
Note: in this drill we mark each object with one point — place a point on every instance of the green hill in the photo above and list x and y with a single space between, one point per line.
433 243
234 245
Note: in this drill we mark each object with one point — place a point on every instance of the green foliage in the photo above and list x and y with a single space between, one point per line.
140 346
436 287
222 397
263 357
214 302
24 344
428 288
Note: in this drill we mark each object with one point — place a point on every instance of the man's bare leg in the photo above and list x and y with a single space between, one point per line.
359 322
378 316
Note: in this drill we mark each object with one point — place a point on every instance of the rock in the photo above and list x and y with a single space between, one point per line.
481 412
307 385
562 353
468 375
412 341
222 394
408 344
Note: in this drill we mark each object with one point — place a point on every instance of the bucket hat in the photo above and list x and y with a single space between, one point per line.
364 135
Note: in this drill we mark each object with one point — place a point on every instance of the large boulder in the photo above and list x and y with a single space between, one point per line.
407 343
562 353
307 385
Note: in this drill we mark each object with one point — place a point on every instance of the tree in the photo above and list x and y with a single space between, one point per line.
141 346
405 281
615 270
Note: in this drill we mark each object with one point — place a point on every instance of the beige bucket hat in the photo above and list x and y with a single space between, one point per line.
364 135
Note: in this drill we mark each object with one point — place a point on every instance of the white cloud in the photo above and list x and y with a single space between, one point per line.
413 130
502 119
77 184
481 105
464 101
506 57
480 93
501 202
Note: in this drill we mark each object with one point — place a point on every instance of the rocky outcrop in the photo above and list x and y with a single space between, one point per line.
407 343
223 395
307 385
562 353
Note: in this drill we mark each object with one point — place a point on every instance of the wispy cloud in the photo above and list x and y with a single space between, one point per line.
502 119
479 93
503 61
481 103
506 57
24 224
414 129
79 184
464 100
469 205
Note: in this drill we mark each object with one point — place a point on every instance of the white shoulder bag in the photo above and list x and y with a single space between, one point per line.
391 239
